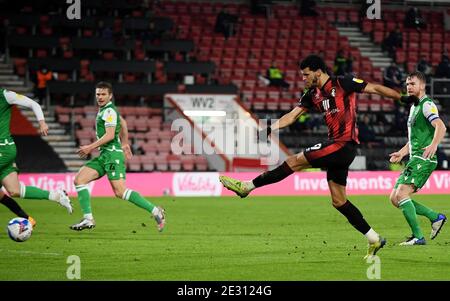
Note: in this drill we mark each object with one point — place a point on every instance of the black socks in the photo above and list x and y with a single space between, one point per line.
354 217
13 206
273 176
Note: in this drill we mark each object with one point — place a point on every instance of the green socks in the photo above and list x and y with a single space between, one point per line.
425 211
132 196
409 211
84 198
31 192
135 198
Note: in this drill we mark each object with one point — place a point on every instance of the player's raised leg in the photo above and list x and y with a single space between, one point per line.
16 189
137 199
243 188
82 179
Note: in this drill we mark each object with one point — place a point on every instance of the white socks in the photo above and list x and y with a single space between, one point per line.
155 211
249 185
54 196
372 236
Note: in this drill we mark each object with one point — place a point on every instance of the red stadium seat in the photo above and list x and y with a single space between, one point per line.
174 162
367 26
201 163
161 162
378 36
400 57
134 164
258 104
272 104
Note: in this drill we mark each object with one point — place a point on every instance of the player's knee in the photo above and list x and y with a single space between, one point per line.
291 161
393 199
338 202
77 181
296 162
118 192
14 192
401 194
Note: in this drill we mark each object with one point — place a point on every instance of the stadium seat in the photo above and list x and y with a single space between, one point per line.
87 124
161 162
152 134
63 118
188 162
258 104
174 162
150 147
134 164
141 125
201 163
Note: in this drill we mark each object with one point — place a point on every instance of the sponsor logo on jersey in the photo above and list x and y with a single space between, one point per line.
434 110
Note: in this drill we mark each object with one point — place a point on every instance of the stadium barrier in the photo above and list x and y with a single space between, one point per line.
207 183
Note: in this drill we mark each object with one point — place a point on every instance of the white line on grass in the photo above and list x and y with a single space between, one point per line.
31 252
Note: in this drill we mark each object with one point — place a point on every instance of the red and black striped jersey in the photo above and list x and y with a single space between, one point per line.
336 100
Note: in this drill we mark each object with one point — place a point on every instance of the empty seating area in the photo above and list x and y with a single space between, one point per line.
429 42
120 42
283 39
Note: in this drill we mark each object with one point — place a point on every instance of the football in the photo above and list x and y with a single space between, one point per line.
19 229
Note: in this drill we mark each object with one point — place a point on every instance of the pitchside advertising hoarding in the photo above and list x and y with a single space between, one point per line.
207 183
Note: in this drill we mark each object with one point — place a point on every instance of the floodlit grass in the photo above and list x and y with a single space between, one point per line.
227 238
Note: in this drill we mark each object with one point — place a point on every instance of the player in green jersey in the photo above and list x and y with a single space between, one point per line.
425 131
8 170
110 128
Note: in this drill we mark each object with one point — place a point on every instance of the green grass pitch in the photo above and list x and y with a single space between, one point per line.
226 238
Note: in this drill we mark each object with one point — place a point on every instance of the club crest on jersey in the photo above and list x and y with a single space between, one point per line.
333 92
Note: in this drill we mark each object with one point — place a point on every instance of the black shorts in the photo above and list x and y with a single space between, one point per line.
334 157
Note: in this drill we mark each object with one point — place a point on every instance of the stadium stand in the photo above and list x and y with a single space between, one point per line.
146 52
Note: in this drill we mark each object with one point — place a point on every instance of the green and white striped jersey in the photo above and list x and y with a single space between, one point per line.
420 129
108 116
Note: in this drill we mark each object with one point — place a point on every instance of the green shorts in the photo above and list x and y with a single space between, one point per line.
8 154
416 172
110 163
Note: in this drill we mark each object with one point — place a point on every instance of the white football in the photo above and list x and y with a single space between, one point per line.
19 229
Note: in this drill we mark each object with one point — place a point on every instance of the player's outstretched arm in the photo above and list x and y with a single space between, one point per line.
288 118
85 150
21 100
381 90
284 121
390 93
124 139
